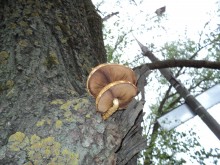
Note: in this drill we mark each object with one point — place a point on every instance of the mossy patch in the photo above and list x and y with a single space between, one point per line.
68 115
81 103
66 105
10 93
76 104
27 11
29 32
34 139
58 124
18 136
64 40
88 116
40 123
58 28
4 55
9 84
12 25
18 141
23 24
23 43
42 150
51 60
57 101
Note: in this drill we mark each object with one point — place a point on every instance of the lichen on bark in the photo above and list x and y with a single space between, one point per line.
41 151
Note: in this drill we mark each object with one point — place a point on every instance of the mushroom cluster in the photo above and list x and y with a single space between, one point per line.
113 86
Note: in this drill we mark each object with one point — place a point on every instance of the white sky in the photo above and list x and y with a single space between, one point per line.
190 15
184 17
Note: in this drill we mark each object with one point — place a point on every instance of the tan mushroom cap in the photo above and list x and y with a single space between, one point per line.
104 74
124 91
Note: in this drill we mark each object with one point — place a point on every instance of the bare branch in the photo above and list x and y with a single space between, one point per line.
109 16
183 63
202 47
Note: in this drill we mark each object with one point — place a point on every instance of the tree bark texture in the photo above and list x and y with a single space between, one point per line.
47 49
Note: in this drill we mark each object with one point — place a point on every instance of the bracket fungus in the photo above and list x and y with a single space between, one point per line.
113 86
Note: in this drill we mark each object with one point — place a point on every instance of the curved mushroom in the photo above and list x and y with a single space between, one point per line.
115 96
104 74
111 110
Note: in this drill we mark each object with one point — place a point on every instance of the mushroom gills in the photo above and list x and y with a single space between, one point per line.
111 110
113 86
104 74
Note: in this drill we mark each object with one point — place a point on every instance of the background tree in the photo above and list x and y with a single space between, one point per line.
165 147
47 49
170 144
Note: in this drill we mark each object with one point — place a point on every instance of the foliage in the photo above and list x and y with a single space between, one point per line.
115 47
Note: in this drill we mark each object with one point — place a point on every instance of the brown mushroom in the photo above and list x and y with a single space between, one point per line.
105 74
115 96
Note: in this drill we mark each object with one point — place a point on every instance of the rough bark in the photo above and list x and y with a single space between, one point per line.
47 49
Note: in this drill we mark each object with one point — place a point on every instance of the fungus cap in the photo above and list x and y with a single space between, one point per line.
105 74
124 91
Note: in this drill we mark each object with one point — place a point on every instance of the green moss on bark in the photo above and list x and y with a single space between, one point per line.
4 55
42 150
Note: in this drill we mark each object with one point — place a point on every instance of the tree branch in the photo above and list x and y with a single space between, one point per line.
109 16
183 63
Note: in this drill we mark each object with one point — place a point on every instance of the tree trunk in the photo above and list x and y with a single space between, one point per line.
47 49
